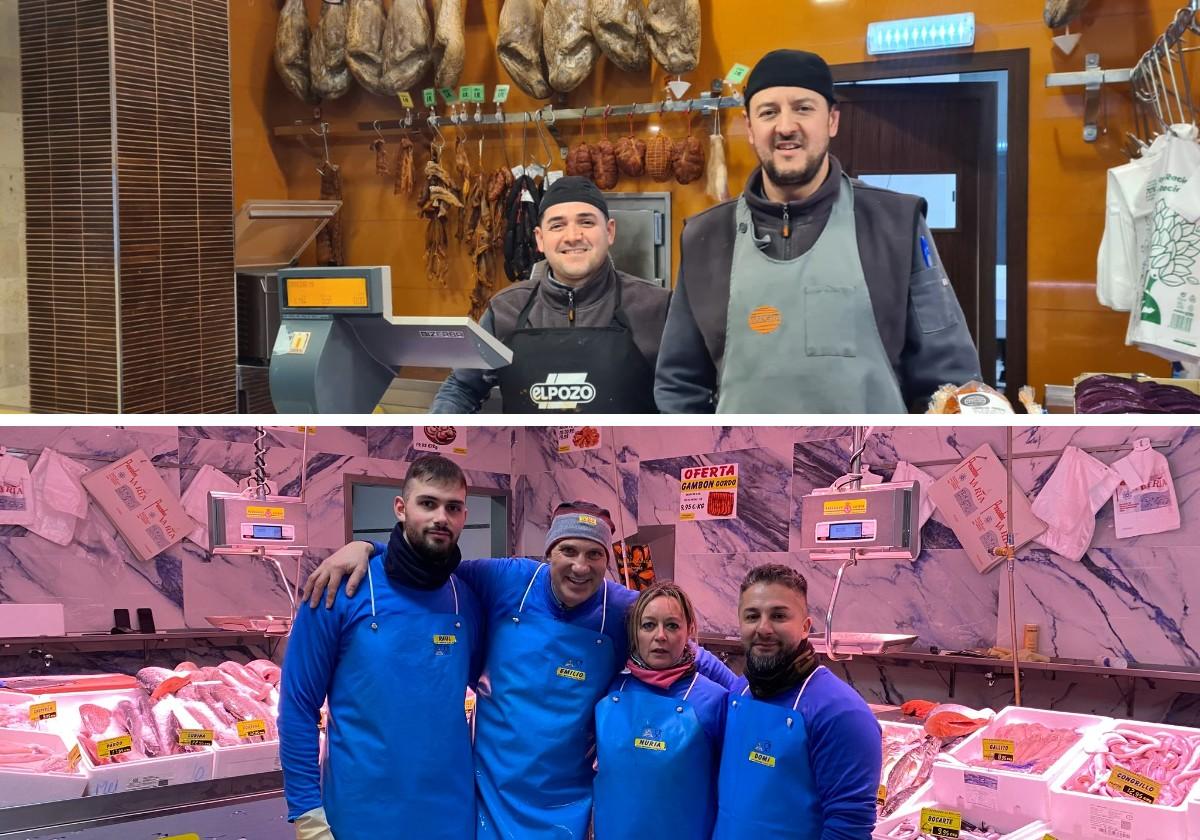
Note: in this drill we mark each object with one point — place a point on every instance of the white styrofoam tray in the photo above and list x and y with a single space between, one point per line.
883 827
245 759
131 775
1007 798
24 787
1082 816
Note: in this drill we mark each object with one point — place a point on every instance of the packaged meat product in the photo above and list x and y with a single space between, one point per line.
327 54
659 157
449 41
619 27
364 44
716 184
673 31
687 157
972 398
631 154
291 51
407 46
567 44
519 46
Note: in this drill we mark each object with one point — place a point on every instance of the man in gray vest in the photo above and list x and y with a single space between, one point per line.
810 292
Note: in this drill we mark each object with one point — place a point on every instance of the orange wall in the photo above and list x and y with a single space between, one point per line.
1068 331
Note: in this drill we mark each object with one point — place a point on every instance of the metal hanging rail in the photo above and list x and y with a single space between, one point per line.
1017 456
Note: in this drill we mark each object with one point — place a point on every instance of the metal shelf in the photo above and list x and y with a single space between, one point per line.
117 808
146 642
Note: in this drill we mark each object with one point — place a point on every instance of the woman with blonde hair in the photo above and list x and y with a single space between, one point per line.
659 728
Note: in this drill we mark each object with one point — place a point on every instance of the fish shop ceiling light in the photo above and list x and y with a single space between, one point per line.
928 33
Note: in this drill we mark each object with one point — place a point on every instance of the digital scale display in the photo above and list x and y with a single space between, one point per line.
845 531
326 292
266 532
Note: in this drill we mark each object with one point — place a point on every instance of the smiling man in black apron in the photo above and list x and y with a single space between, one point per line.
810 292
584 336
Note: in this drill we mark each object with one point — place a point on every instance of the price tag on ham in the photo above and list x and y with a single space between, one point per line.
880 796
708 492
195 737
251 728
406 99
501 94
1134 784
941 823
429 97
43 711
998 749
737 74
114 746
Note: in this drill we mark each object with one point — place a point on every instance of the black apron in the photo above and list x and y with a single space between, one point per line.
583 370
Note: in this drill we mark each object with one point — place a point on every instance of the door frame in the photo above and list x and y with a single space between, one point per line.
349 480
1016 252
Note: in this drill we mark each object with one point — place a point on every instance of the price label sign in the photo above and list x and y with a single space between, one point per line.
251 728
472 93
737 74
998 749
708 492
501 94
114 746
43 711
406 99
195 737
429 96
448 95
941 823
1134 784
74 757
880 796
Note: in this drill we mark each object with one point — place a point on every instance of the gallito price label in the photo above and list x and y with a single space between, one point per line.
998 749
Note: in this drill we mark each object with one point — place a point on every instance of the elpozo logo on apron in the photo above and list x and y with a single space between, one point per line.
570 670
562 390
761 754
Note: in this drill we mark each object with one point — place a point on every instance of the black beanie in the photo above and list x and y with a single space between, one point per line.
573 188
791 68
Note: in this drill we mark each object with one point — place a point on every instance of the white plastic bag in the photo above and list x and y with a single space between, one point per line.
59 500
1070 500
195 499
1145 501
907 472
16 505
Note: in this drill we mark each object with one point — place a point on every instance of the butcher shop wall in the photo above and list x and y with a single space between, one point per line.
1066 176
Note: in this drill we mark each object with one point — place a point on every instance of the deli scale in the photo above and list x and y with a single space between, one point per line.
849 523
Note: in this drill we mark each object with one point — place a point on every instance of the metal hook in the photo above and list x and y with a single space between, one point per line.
324 135
437 129
525 160
539 120
378 133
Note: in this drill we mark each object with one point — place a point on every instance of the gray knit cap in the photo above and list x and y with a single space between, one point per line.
580 520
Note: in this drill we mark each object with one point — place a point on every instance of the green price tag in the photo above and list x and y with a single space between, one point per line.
737 74
406 99
478 93
501 94
430 96
471 93
448 95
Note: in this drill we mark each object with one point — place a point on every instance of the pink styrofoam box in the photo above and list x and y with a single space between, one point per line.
24 787
884 828
1193 813
1007 798
245 759
1082 816
30 620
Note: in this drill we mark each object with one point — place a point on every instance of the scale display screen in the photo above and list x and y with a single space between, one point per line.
267 532
325 292
846 531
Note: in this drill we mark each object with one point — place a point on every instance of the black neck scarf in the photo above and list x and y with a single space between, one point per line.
405 565
783 672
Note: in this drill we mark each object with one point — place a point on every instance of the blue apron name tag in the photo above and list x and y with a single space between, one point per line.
445 640
572 674
762 758
649 744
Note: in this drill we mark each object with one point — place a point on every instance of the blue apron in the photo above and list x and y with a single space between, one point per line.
652 751
534 726
766 786
399 748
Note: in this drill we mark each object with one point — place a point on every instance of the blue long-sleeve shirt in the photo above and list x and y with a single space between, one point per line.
845 752
708 698
500 584
311 666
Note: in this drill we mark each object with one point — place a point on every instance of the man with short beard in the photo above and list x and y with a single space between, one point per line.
811 292
802 753
395 668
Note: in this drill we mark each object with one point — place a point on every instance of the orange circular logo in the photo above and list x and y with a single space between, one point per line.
765 319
